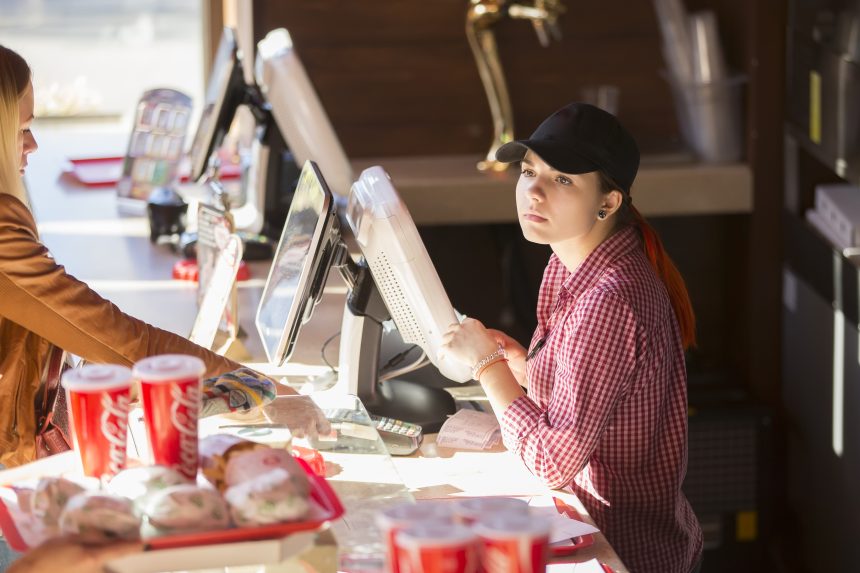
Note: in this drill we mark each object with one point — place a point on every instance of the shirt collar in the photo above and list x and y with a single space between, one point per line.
589 271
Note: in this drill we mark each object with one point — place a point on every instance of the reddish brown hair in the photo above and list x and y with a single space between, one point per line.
660 261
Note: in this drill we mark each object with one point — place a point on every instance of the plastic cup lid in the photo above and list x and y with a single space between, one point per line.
416 512
484 505
97 378
435 533
168 367
503 525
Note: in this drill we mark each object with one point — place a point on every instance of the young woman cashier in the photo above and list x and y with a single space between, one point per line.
605 415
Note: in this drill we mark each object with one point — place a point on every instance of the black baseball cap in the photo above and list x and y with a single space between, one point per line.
580 138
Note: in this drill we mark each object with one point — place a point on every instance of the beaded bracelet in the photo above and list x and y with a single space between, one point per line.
485 361
486 367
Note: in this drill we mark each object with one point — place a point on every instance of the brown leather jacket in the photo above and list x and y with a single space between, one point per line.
40 305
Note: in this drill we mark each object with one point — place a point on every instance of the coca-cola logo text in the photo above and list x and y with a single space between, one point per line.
184 411
114 427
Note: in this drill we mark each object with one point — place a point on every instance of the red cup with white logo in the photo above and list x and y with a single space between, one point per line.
513 542
396 518
98 396
437 548
470 510
170 394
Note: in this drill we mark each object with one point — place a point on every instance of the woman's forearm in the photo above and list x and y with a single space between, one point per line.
501 386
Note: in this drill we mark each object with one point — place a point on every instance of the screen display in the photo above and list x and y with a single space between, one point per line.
216 110
305 238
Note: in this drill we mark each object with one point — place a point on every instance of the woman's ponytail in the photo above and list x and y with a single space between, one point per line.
668 273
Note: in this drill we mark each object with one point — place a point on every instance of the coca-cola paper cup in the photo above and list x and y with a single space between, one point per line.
396 518
437 548
98 396
513 542
170 396
470 510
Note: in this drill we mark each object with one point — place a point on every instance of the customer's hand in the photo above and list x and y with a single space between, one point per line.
70 555
300 414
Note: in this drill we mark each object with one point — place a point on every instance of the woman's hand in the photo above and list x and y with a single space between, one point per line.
469 341
70 555
516 354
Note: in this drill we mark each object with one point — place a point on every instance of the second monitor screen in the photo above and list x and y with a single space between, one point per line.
287 291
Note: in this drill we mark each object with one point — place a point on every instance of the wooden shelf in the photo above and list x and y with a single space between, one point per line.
444 190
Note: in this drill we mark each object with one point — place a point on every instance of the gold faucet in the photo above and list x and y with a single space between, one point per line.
480 17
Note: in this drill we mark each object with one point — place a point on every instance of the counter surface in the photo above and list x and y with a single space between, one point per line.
438 472
113 254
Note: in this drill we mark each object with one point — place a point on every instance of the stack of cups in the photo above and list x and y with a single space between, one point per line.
437 548
171 396
98 397
490 534
513 542
399 517
468 511
707 98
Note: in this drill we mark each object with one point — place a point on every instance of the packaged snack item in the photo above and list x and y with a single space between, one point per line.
272 497
139 483
50 497
186 508
100 518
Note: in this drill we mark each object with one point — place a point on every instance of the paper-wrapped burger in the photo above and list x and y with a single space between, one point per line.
140 483
271 497
262 485
186 508
216 450
100 518
49 498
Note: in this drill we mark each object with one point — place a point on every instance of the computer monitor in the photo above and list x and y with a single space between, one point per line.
297 110
224 93
300 266
393 279
402 268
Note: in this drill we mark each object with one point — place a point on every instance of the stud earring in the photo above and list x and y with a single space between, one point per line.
601 214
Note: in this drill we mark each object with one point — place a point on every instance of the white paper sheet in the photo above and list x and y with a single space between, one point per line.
469 430
590 566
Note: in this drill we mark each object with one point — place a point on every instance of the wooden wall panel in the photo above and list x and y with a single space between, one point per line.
397 76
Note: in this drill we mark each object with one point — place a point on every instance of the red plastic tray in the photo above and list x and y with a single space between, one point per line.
320 492
106 171
578 542
97 171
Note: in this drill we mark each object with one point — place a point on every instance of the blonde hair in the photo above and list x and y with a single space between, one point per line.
14 81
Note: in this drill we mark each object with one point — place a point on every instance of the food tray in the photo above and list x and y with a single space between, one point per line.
96 171
577 543
325 507
106 171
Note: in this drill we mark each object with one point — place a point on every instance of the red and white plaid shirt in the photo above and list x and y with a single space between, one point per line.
606 414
